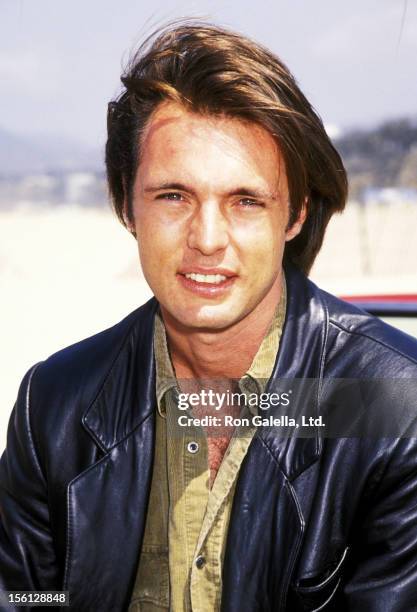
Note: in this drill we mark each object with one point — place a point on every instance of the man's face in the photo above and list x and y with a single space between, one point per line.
210 206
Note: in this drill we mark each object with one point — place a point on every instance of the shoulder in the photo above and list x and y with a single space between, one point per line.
92 357
369 344
348 341
56 393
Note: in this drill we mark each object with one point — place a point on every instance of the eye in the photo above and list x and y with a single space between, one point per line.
171 195
250 203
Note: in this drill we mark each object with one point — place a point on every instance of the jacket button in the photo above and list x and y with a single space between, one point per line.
200 562
192 447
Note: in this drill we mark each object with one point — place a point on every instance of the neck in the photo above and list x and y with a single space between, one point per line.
224 353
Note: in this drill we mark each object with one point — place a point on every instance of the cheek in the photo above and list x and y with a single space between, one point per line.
261 244
153 219
158 242
145 220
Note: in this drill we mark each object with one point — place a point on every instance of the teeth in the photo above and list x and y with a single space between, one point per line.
206 278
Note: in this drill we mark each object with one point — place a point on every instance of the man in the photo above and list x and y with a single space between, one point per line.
223 172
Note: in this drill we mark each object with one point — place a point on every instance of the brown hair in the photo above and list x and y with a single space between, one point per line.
211 70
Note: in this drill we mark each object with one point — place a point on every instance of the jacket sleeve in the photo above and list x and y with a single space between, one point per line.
384 574
27 557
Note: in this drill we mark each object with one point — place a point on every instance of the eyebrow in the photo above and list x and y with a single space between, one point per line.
240 191
253 193
168 186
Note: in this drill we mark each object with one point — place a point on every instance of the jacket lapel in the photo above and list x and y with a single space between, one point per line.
299 367
264 536
107 503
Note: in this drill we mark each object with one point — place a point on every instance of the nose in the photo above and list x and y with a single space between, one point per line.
208 230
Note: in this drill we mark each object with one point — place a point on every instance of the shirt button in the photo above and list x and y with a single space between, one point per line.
192 447
200 562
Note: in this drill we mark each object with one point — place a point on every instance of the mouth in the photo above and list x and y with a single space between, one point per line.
213 283
214 279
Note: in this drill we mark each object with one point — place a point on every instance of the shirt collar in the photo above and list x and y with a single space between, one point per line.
165 375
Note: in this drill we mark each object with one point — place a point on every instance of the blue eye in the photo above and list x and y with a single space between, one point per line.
249 203
175 197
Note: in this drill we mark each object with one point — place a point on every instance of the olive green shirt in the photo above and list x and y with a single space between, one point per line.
184 542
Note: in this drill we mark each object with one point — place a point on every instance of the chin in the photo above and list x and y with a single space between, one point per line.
206 318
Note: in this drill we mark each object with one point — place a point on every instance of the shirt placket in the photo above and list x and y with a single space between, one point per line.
188 485
205 578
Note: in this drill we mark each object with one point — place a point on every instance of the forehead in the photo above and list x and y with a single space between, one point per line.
178 140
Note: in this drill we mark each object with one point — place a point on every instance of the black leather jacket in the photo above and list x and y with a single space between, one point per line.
317 523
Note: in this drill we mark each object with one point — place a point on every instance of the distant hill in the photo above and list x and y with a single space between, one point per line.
47 169
21 155
382 157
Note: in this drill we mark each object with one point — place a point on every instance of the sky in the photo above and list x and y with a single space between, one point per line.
60 62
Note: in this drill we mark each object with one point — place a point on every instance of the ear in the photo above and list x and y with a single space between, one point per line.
129 223
297 226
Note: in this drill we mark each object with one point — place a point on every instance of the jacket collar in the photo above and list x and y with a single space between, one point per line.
127 396
300 363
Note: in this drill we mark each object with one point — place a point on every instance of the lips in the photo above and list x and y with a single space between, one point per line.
207 282
206 278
